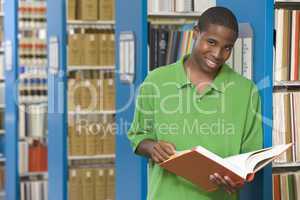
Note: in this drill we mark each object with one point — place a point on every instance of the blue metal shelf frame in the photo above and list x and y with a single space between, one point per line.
57 105
132 16
131 170
262 23
11 102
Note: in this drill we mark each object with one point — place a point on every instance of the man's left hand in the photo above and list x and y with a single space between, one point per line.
225 182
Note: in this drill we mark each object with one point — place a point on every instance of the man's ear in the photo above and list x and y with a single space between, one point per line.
196 31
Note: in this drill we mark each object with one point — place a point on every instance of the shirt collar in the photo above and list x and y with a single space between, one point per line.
219 83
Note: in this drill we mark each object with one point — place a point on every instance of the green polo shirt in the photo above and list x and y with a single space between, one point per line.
224 118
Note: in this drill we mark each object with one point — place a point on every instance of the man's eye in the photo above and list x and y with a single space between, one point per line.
211 42
228 48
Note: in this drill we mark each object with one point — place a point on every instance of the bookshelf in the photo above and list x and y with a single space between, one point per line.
2 102
285 97
81 24
173 15
89 150
107 156
87 67
262 25
104 112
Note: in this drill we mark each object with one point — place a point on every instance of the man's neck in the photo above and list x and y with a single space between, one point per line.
196 74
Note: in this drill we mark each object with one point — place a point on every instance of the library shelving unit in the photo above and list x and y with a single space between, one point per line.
87 148
2 104
132 169
18 73
286 87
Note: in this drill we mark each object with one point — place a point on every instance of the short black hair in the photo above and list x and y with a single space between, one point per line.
219 16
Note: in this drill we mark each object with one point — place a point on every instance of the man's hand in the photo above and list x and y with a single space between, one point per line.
161 151
225 182
158 151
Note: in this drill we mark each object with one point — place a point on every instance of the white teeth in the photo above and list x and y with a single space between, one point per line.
211 63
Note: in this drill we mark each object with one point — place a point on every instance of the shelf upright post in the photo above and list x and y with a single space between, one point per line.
262 25
11 99
131 170
57 100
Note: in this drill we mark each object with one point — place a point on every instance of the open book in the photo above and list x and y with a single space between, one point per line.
197 164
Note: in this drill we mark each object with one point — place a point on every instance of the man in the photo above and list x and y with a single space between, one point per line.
198 100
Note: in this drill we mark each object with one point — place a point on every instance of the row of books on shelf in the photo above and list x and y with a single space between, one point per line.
32 48
168 6
286 186
34 190
92 184
286 124
91 9
33 157
91 135
169 43
32 14
287 56
32 86
91 90
33 120
92 49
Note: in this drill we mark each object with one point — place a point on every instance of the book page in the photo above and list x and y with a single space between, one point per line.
221 161
259 160
239 161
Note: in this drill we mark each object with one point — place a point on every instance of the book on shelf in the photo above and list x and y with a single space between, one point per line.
239 168
91 49
34 190
241 58
88 184
287 53
91 135
179 6
286 124
286 186
92 183
167 44
91 90
87 9
91 10
32 157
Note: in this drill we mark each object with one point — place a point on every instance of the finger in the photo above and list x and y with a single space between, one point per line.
158 155
220 179
171 148
212 179
230 183
155 159
161 151
223 183
218 182
167 147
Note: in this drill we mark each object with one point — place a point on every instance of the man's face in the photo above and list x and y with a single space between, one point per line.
212 47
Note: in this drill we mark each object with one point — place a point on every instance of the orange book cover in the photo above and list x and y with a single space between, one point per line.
198 164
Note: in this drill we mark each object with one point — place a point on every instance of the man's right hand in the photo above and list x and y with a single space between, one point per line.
158 151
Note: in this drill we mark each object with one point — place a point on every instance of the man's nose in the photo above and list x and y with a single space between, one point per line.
217 53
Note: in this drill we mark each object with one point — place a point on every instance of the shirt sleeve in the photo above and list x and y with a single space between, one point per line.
142 126
253 133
